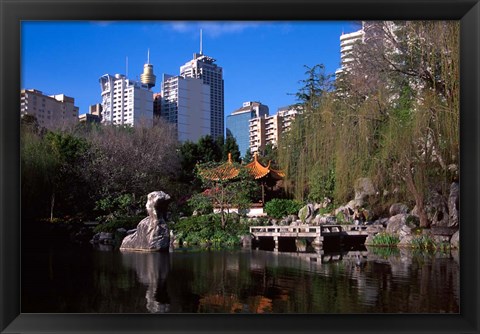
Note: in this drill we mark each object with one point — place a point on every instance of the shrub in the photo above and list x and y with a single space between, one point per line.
208 229
279 208
127 223
385 239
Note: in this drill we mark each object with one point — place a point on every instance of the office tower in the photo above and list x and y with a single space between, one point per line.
51 111
203 67
185 103
238 123
269 129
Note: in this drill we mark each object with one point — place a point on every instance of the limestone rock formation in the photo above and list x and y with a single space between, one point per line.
398 208
152 232
363 188
453 204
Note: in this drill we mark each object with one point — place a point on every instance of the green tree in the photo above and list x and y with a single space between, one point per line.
209 149
248 157
226 186
231 147
68 184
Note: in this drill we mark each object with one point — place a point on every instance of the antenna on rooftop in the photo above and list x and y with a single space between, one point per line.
201 51
148 56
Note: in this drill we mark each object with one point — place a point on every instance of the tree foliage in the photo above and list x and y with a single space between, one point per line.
394 118
226 192
91 170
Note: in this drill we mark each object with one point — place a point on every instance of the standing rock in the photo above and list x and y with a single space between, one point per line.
152 232
453 204
395 223
306 213
455 240
398 208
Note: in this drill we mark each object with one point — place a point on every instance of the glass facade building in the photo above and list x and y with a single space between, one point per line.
238 123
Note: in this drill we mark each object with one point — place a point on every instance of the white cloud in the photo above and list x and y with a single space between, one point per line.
213 29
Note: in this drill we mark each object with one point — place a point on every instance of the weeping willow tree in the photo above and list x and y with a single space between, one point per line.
307 140
397 120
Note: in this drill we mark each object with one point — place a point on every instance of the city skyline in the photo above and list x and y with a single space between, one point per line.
262 61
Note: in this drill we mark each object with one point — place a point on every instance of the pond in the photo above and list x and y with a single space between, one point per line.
84 279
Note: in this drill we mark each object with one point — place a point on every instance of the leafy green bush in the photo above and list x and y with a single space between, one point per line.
207 229
120 205
127 223
279 208
200 203
385 239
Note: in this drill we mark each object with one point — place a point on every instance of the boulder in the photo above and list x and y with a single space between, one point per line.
404 231
319 220
455 240
453 204
437 208
355 203
398 208
406 241
306 213
364 187
395 223
246 240
152 232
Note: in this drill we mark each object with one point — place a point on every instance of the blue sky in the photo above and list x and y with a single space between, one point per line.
262 61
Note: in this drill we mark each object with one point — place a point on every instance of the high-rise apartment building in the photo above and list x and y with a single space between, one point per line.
51 111
125 102
185 102
347 42
238 123
204 68
269 129
128 102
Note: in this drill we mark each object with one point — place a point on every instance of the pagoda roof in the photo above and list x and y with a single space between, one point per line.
225 171
228 171
256 169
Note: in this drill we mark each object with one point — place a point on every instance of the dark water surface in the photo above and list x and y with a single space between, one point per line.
87 280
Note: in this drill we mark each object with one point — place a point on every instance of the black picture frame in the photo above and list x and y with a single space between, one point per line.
14 11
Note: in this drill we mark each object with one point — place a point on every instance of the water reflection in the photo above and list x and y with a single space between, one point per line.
152 270
372 280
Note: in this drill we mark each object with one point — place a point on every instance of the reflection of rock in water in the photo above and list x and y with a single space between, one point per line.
152 270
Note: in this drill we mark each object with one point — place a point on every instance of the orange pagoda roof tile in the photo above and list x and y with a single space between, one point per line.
228 171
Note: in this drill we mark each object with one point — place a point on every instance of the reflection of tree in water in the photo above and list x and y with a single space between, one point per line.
152 270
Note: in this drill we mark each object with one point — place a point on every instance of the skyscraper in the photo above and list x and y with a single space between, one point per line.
128 102
185 103
211 74
238 124
125 102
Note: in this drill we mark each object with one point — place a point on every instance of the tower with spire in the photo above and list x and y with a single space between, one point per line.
203 67
147 77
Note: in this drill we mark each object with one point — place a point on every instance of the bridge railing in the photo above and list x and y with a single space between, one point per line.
285 229
302 229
